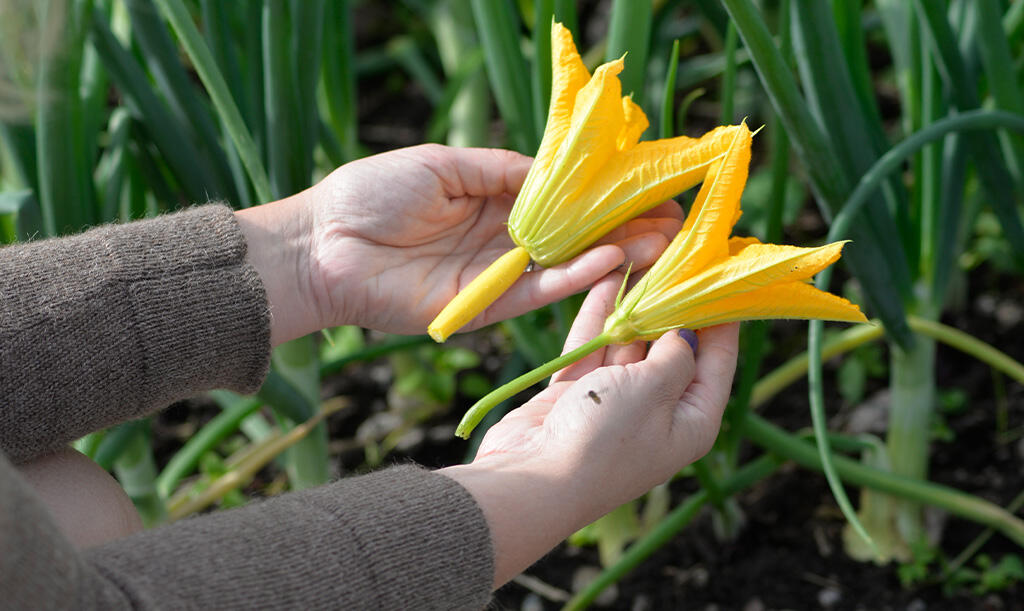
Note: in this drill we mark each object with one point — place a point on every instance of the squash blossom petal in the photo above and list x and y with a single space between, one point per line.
590 175
706 278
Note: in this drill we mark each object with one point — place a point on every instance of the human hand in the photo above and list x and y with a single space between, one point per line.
392 238
606 430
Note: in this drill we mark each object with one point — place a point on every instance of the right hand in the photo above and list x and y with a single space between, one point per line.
625 418
606 430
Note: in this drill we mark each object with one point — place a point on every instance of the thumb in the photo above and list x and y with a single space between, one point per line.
671 361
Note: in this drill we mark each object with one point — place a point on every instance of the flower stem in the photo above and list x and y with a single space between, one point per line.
480 293
528 379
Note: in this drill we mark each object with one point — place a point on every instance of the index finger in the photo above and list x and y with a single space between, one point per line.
667 209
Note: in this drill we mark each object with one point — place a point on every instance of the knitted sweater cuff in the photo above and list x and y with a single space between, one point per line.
200 310
122 320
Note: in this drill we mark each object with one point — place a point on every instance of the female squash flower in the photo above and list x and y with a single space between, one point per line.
591 174
705 278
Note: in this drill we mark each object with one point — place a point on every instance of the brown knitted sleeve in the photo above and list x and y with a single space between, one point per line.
122 320
403 538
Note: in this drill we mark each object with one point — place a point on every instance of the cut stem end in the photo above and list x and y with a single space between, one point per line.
480 293
528 379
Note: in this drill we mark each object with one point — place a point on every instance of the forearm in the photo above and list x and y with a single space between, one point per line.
404 538
123 320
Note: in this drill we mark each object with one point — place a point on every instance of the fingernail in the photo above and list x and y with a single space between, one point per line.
690 337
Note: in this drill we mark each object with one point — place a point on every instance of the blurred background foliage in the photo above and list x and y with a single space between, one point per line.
894 123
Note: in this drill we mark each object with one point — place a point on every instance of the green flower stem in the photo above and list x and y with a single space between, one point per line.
771 384
528 379
778 441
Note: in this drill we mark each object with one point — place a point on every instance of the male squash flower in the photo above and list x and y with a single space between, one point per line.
591 174
705 278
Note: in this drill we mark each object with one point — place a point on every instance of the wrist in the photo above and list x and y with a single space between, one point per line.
530 507
278 236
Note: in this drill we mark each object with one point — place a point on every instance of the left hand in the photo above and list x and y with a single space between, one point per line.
393 237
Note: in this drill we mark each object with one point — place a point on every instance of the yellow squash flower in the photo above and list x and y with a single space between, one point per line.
705 278
591 174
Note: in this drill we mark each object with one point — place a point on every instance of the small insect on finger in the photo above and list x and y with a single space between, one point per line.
594 397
